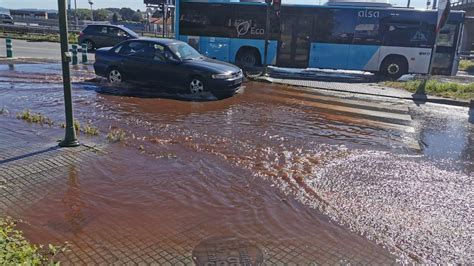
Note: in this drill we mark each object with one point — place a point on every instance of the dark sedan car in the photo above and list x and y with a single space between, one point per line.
97 36
169 63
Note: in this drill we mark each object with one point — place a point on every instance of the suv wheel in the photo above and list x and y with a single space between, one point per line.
90 45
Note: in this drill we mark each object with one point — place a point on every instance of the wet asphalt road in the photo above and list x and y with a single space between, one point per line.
272 164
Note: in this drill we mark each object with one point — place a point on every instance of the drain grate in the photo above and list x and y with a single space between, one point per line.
227 251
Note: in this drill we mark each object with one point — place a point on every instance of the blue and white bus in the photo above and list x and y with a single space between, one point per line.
387 40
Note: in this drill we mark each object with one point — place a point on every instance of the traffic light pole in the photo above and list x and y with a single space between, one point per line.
70 139
267 37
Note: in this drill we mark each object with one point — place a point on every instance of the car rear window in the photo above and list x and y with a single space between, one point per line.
95 29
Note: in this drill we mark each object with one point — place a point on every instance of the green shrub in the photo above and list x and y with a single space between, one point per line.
116 135
91 130
30 117
467 65
16 250
437 88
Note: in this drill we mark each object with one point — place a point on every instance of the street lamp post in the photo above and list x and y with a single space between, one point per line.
91 2
70 139
75 14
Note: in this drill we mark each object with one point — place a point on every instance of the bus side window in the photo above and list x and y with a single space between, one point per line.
447 35
335 26
367 31
407 31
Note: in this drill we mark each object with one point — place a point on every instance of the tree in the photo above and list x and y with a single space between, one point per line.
137 17
83 14
126 13
101 14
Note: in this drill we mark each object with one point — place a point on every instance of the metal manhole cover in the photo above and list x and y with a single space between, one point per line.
227 251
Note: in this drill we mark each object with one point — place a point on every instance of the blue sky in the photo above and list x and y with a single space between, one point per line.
138 4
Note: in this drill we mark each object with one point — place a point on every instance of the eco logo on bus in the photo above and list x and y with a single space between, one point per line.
243 27
368 14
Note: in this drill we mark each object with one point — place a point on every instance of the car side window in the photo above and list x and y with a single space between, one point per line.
103 30
158 52
131 48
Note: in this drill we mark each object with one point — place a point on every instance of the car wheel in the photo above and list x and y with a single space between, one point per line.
115 76
196 85
90 45
394 68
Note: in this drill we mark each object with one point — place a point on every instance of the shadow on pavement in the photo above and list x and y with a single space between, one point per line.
28 155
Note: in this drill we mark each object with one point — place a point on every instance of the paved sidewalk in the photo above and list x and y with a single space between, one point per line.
31 164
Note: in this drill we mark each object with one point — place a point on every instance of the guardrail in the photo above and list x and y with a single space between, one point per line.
41 29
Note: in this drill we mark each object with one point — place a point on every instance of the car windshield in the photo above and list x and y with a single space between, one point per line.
184 51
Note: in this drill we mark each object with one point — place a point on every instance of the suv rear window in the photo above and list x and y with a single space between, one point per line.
95 29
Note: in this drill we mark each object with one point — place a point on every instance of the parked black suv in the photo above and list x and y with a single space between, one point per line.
97 36
6 19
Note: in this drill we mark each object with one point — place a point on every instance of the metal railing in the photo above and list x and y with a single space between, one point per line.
462 3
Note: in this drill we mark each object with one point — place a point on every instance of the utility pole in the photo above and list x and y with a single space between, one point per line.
75 14
70 139
91 2
163 19
267 36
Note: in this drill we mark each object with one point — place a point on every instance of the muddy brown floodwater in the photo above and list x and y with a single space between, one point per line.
282 175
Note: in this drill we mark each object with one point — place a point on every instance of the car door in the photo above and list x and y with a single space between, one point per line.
99 36
135 61
163 70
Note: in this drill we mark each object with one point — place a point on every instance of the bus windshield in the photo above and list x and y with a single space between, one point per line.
184 51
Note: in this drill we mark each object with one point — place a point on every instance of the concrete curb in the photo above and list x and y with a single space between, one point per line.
415 98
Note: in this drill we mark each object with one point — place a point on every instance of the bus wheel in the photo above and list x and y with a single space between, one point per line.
248 58
393 68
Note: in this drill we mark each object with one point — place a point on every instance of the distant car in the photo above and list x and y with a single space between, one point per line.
169 63
6 19
97 36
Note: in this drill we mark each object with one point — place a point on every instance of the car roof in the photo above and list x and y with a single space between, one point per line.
129 31
162 41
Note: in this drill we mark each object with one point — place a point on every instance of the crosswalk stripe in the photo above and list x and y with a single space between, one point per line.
345 114
310 93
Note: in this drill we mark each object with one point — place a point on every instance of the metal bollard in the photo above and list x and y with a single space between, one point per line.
84 53
74 54
9 48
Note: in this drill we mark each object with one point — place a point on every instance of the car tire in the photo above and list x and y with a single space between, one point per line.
115 76
248 58
196 85
90 45
393 68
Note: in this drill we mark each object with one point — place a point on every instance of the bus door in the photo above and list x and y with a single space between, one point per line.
294 42
446 55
